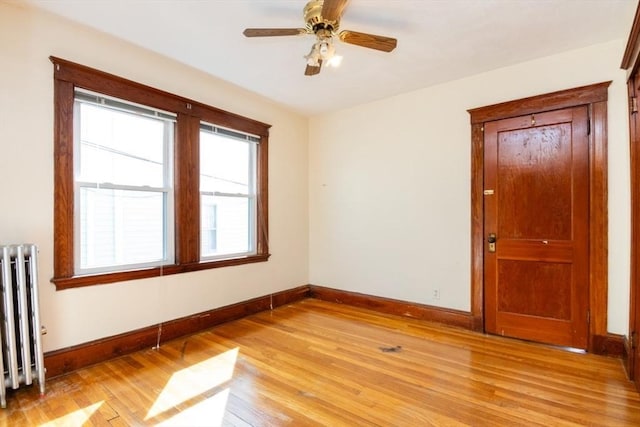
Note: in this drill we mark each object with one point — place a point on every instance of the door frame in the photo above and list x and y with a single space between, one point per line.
631 63
595 98
634 153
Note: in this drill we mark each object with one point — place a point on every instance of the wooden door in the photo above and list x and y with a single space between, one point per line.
634 314
536 181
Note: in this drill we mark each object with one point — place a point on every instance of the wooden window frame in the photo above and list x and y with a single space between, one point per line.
68 76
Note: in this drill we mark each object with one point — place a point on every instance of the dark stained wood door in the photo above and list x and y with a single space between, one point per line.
536 181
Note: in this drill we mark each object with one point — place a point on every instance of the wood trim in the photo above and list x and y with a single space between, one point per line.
583 95
65 360
630 56
634 291
67 76
165 270
262 170
63 178
395 307
627 355
229 120
477 225
595 97
598 221
631 63
634 155
609 345
186 190
96 80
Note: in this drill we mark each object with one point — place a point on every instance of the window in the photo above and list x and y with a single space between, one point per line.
123 187
227 192
148 183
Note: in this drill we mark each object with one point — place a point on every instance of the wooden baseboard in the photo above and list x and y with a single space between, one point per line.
609 345
396 307
626 358
69 359
65 360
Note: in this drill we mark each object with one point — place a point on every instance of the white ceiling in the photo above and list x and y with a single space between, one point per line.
438 40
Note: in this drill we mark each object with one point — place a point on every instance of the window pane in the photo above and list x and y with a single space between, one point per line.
209 221
121 148
228 221
119 227
225 164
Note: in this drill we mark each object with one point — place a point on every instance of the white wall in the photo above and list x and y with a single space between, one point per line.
27 38
390 182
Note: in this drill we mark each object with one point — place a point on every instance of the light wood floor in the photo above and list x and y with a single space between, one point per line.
317 363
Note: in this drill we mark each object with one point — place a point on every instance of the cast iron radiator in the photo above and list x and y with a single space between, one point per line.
22 359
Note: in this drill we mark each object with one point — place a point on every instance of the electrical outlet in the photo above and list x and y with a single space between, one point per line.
436 294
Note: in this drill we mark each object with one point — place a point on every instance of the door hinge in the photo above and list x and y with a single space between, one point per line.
632 339
588 317
633 104
588 127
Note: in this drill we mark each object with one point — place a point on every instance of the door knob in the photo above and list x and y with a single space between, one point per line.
491 239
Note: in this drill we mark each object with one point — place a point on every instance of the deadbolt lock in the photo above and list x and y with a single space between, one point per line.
491 239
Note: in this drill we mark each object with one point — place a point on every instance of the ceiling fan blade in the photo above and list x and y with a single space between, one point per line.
332 10
271 32
311 70
385 44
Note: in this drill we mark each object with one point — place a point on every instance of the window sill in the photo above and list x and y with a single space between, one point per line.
166 270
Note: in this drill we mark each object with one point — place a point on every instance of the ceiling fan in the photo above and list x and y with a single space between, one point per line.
322 19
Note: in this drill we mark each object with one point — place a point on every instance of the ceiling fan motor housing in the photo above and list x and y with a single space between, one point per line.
315 21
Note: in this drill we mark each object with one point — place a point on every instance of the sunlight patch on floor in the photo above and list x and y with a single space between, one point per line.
206 413
76 418
194 381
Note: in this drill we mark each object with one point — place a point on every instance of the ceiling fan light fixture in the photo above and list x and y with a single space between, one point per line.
322 51
313 62
326 49
313 58
335 61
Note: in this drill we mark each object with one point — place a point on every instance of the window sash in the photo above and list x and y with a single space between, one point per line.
251 227
166 190
250 195
167 235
